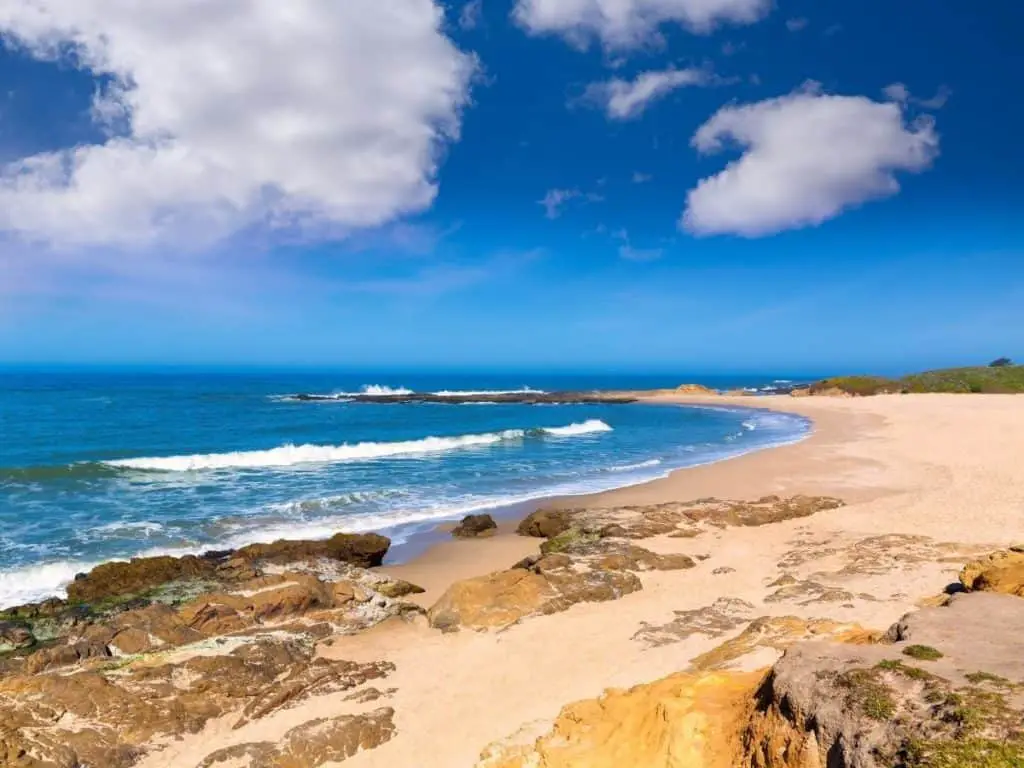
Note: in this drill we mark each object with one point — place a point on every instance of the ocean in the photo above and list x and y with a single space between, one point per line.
101 465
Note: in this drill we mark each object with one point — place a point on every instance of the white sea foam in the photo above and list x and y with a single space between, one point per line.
145 527
292 455
487 392
382 389
582 428
638 465
38 582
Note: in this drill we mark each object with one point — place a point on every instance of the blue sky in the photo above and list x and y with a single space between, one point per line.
705 185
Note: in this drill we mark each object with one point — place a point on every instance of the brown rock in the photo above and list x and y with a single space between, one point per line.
15 635
135 576
365 550
312 744
475 526
501 599
64 654
545 523
695 389
998 572
681 721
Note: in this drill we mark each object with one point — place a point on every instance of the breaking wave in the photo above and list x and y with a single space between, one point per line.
291 455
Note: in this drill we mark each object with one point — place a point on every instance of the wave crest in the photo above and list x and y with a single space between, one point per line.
291 455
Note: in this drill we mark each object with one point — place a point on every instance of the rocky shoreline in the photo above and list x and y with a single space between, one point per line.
147 652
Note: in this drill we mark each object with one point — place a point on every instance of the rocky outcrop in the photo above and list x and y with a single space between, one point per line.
310 745
549 585
666 724
545 523
998 572
475 526
945 689
675 518
524 397
108 715
139 575
695 389
945 693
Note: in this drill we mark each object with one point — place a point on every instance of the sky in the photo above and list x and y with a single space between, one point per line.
700 185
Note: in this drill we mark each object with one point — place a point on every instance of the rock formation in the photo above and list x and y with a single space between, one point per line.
475 526
227 635
944 688
674 518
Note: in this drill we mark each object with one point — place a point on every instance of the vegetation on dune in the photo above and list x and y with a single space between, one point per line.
999 377
922 652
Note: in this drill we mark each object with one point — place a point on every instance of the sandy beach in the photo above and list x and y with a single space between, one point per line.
929 481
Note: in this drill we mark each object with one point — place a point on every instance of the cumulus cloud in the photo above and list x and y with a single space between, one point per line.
625 24
806 157
625 99
797 24
224 116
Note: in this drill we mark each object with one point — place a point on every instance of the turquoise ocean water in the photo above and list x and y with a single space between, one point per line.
103 465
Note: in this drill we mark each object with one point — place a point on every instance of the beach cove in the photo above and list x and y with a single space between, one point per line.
841 534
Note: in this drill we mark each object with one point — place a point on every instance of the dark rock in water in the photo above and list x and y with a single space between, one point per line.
475 526
518 398
545 523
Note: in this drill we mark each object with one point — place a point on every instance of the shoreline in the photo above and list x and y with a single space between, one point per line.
840 535
418 540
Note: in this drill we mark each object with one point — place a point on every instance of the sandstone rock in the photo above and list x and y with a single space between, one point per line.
365 550
682 721
137 575
130 706
871 706
196 574
312 744
545 523
676 519
396 588
501 599
475 526
998 572
695 389
15 635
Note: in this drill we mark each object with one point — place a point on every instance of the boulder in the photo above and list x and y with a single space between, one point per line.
681 721
998 572
546 585
475 526
15 635
545 523
137 575
365 550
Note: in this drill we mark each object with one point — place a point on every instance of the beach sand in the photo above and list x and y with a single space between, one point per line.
929 480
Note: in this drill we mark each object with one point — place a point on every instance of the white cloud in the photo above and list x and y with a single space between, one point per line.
797 24
472 14
625 24
806 157
311 112
629 253
641 178
555 199
899 93
625 99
